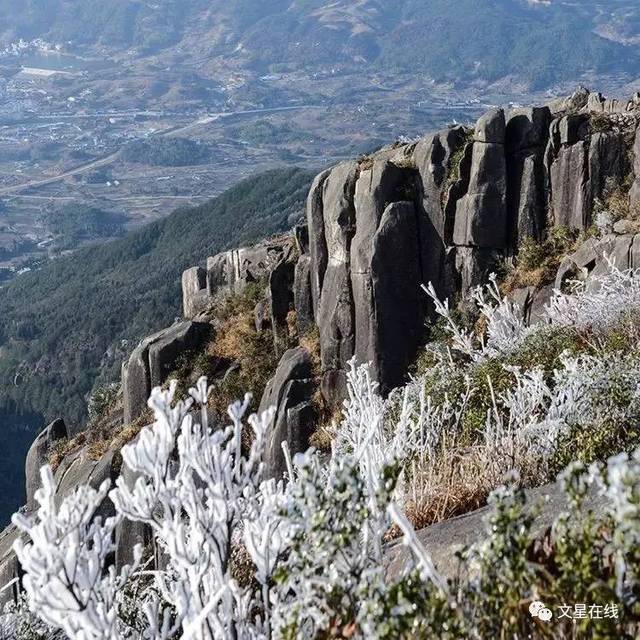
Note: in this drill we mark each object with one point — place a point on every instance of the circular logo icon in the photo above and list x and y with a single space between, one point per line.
538 609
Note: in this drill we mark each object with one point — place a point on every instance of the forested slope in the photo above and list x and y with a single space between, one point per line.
62 328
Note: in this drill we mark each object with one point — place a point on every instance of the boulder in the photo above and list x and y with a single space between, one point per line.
290 392
77 469
230 272
526 128
195 293
81 468
170 345
624 227
575 102
443 541
38 456
530 302
593 256
153 360
573 128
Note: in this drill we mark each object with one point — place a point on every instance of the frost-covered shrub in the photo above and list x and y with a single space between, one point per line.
203 495
526 398
317 543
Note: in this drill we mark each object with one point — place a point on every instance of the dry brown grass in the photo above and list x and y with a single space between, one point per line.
241 566
129 432
328 417
98 448
311 342
538 261
617 202
458 480
65 447
232 336
292 326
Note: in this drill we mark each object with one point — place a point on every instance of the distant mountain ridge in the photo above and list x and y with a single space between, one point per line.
542 42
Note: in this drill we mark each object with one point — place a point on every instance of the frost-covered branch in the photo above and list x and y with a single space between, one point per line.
65 559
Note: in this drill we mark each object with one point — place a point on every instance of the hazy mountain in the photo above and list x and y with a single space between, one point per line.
541 40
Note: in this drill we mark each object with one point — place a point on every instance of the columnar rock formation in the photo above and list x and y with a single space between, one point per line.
443 209
230 272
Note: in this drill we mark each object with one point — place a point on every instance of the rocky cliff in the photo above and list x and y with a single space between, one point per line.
446 209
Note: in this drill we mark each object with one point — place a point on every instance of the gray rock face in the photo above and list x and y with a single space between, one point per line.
591 258
372 260
234 270
490 127
281 302
317 240
75 470
433 156
82 469
444 540
153 359
530 302
10 571
469 267
262 316
634 195
527 127
527 133
481 214
38 456
231 272
570 193
128 533
608 160
335 311
581 165
195 293
399 305
302 295
290 392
